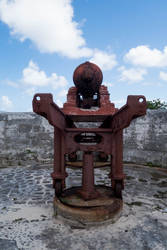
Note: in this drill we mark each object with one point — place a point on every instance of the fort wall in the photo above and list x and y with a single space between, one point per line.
26 138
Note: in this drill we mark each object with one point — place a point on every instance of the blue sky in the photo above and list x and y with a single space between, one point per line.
43 41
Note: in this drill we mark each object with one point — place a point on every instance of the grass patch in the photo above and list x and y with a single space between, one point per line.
157 176
128 177
17 220
142 180
135 203
153 165
160 195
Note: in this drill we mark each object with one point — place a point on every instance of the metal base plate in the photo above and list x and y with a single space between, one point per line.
105 208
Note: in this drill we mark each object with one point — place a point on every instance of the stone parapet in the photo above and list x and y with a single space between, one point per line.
26 138
145 140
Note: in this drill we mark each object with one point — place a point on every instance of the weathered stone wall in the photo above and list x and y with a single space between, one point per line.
145 140
26 138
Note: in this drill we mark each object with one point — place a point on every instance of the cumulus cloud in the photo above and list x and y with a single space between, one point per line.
146 57
104 60
34 77
132 74
48 24
163 75
6 103
58 81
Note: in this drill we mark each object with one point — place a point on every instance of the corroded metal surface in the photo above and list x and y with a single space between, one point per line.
99 109
71 197
79 164
88 101
103 209
87 78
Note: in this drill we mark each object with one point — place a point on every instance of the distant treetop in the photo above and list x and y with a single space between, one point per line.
156 104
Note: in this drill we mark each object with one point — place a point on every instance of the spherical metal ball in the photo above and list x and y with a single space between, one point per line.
87 78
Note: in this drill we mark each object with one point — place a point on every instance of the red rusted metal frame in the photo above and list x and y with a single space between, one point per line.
111 132
135 107
59 173
77 114
43 105
88 190
72 146
108 138
117 175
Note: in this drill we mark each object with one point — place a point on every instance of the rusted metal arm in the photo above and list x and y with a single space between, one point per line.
43 105
135 107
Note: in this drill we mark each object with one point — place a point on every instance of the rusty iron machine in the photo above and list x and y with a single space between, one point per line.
88 103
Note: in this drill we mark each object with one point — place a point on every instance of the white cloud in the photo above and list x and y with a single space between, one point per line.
59 103
108 84
48 24
30 91
6 103
157 84
146 57
119 103
58 81
106 61
12 84
63 93
163 75
33 76
132 74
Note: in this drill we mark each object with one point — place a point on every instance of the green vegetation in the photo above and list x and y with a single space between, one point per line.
135 203
156 104
28 151
149 164
18 220
153 165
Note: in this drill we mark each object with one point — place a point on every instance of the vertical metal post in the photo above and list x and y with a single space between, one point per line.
58 174
116 174
88 189
119 153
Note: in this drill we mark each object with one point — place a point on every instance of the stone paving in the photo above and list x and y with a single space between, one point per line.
27 222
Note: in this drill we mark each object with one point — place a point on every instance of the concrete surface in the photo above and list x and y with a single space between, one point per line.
27 222
26 138
8 244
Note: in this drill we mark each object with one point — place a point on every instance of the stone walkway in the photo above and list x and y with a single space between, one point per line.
27 222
